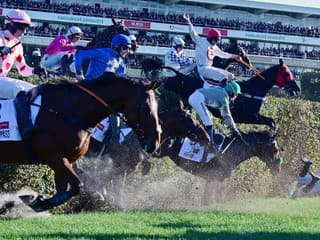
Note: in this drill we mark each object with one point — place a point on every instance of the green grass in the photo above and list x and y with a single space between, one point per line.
259 219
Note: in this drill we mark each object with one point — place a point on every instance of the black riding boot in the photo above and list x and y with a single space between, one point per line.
23 115
210 132
115 129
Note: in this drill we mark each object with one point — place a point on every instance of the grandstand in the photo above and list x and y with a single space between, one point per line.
267 29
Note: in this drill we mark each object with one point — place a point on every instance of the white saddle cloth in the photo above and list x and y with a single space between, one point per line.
101 128
191 150
8 119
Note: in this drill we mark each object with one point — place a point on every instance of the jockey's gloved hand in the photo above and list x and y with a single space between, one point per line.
5 51
40 71
237 134
80 48
80 76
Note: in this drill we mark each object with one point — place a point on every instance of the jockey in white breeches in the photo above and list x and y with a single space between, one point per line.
206 50
218 98
60 47
11 51
176 59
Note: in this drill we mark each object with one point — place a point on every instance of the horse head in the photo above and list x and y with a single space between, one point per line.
103 38
266 148
142 115
183 124
285 79
151 68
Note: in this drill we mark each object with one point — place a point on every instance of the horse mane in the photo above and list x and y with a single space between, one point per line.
258 137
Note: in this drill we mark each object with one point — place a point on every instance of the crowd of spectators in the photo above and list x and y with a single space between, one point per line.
145 14
164 40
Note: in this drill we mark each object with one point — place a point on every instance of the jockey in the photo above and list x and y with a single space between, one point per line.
219 98
307 182
177 59
104 59
206 50
11 51
59 53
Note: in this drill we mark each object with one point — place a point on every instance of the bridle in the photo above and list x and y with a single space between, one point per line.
137 127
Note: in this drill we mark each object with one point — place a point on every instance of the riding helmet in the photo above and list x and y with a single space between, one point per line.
214 34
233 88
121 40
18 16
178 42
74 30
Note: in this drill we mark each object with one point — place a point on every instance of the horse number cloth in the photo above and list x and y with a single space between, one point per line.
191 150
8 119
102 127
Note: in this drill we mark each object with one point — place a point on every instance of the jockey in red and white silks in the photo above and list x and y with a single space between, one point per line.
11 51
61 46
206 50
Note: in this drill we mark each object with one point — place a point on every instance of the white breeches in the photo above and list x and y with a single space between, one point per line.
214 73
306 180
53 62
197 102
10 87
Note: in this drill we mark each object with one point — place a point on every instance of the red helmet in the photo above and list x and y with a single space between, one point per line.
214 33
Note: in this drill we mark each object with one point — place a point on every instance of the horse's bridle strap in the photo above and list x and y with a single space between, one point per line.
252 96
99 99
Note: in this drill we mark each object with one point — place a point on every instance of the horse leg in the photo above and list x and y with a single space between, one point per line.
64 176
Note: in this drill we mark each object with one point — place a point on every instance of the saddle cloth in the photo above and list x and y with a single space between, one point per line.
191 150
195 152
102 127
8 119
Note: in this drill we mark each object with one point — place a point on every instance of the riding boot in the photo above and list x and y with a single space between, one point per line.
212 146
23 115
306 167
64 65
115 129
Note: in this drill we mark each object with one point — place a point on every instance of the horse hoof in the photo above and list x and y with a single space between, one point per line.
6 207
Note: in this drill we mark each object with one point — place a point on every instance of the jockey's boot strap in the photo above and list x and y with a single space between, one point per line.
25 125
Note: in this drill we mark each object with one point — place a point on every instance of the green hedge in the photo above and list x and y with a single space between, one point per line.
298 123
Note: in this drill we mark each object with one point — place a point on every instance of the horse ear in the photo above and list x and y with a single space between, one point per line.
153 85
281 62
180 105
113 19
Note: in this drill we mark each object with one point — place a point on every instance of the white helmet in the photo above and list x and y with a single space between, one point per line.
178 42
74 30
18 16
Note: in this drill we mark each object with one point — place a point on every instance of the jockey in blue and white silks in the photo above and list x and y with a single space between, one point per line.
177 59
104 59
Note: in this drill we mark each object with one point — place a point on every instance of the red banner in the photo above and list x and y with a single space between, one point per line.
137 24
224 32
4 125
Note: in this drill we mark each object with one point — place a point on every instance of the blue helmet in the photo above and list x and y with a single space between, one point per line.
120 40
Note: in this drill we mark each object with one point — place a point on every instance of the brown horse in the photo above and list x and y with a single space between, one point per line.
103 38
126 157
67 112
